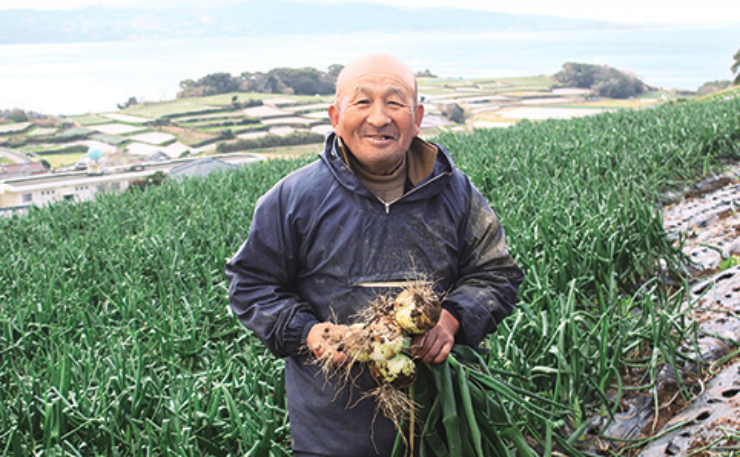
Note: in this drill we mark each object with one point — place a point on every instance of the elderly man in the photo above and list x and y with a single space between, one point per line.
380 207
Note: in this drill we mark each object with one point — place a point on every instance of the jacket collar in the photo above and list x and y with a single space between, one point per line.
426 160
420 159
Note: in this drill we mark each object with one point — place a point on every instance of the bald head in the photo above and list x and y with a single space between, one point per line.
377 65
376 113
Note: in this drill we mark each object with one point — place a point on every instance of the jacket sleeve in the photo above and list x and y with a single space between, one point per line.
489 278
260 276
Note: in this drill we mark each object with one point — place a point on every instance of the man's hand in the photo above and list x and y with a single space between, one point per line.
435 345
325 341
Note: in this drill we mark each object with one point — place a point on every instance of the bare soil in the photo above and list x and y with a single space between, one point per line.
707 222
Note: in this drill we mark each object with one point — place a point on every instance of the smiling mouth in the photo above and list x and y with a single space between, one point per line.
380 137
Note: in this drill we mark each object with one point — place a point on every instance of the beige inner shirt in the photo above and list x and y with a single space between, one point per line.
417 165
388 188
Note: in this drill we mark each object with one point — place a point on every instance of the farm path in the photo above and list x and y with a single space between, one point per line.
708 219
13 156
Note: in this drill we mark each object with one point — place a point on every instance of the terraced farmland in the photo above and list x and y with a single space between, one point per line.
196 126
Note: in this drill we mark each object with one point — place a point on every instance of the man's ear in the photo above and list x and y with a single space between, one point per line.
334 117
419 115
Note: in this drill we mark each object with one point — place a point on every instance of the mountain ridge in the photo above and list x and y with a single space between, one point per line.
258 17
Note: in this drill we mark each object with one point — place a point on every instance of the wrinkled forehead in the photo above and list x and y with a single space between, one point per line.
376 71
374 85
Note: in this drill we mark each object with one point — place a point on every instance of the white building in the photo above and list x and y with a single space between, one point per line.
17 194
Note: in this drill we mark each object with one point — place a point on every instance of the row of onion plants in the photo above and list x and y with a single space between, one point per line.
116 339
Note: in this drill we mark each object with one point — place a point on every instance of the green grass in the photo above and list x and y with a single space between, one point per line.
195 104
461 96
446 82
63 160
236 129
429 90
732 91
156 110
226 99
43 131
113 139
116 339
90 119
540 82
298 100
194 121
14 128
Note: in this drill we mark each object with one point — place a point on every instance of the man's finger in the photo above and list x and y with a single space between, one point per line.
443 353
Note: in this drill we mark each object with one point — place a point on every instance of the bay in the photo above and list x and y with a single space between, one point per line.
75 78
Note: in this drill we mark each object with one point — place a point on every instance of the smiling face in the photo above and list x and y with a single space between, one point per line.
375 112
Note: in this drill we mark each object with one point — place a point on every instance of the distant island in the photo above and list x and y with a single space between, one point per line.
258 17
604 80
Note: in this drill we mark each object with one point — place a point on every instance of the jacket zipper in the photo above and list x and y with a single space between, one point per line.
388 204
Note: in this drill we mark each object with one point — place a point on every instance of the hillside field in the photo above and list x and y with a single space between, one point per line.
116 337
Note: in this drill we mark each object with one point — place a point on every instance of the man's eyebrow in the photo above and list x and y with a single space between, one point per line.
361 90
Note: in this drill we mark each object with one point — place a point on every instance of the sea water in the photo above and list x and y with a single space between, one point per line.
75 78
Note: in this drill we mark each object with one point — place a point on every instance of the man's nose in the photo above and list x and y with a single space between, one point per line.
378 115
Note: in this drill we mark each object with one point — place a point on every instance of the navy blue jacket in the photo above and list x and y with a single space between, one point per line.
321 246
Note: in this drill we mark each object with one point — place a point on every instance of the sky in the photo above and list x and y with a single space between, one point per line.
624 11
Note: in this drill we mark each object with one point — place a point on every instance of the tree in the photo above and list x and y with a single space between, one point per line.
300 81
425 74
713 86
219 83
329 78
453 112
18 115
615 84
186 84
305 81
227 134
736 67
211 84
130 102
604 80
333 70
581 75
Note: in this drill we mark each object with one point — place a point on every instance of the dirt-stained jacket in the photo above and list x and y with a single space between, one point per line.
321 246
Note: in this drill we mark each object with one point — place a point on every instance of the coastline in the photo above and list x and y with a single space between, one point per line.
76 78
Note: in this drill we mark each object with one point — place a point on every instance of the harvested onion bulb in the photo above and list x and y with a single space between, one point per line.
417 310
400 371
387 341
381 338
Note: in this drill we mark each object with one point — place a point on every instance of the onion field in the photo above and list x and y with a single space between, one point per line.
116 338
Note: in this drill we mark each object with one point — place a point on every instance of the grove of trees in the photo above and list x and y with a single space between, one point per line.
606 81
713 86
283 80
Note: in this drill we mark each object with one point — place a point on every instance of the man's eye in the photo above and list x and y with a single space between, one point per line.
395 103
362 102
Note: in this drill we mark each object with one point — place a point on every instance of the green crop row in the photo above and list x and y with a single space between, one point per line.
116 338
581 203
